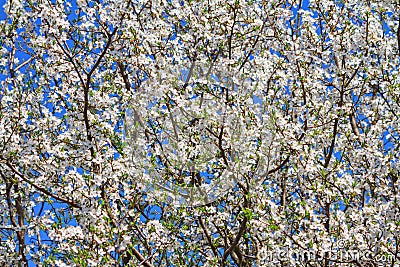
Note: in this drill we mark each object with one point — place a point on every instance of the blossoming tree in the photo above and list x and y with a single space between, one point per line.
199 133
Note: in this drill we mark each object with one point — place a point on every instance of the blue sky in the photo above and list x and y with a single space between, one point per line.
2 14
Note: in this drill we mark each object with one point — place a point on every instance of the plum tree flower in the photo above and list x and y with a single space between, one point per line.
199 133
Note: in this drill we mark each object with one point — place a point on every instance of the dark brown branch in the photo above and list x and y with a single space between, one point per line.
208 236
398 36
139 256
331 147
236 241
20 212
40 189
353 124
